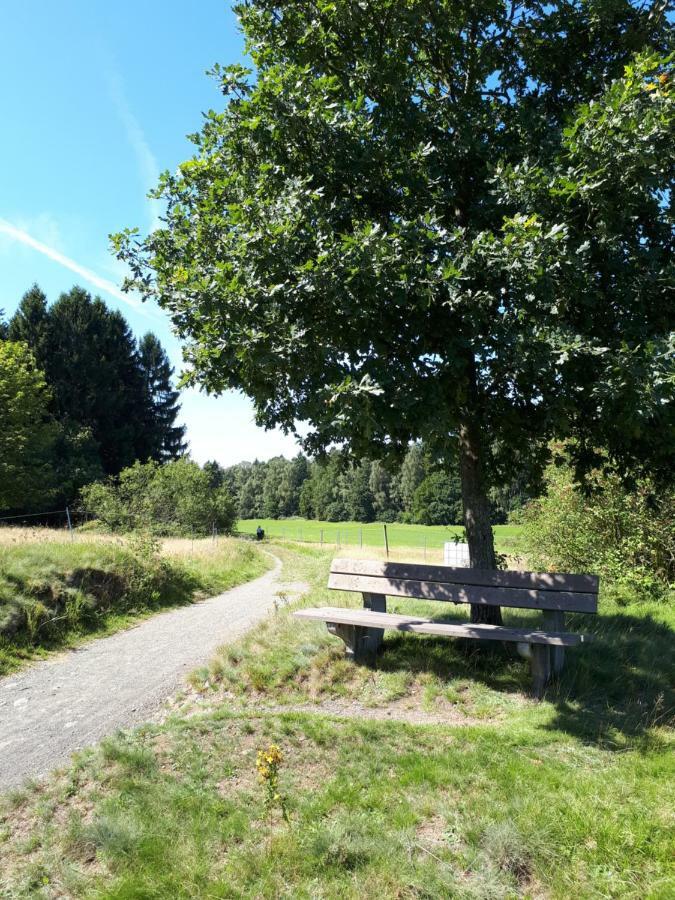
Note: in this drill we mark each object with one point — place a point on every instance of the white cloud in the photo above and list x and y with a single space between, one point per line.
103 284
148 168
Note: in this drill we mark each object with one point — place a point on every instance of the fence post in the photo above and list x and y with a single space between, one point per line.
70 524
425 548
361 537
321 538
386 540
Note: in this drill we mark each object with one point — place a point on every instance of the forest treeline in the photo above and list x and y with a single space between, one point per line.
80 399
420 489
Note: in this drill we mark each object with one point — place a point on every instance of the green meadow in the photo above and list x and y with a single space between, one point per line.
371 534
432 774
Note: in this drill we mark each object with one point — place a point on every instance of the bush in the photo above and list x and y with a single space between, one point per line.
624 536
171 499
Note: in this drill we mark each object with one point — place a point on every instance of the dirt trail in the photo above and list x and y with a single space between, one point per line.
71 701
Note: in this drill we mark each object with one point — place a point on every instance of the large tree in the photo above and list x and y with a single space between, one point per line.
409 223
30 323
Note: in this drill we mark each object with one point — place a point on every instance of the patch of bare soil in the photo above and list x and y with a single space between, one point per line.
393 711
194 702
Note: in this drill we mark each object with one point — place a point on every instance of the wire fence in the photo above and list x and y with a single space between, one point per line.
390 539
55 519
55 526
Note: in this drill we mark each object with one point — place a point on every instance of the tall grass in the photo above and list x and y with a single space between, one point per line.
52 593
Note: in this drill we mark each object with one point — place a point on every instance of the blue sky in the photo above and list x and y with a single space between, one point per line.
96 100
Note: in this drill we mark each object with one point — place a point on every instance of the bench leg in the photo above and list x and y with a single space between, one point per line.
554 620
375 602
361 643
541 668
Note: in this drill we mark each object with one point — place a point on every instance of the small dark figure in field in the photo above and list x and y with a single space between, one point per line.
259 533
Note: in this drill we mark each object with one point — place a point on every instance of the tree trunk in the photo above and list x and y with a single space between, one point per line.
476 514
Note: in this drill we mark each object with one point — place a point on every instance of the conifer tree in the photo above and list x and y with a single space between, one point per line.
30 323
164 439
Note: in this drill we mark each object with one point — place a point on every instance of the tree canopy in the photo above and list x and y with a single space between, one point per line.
435 220
339 489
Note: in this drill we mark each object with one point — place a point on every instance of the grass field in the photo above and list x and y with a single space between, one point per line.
501 797
356 535
53 592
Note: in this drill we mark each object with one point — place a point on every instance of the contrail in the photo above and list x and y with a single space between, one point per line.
102 284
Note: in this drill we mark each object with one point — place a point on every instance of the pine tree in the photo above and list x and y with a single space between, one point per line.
164 439
30 323
93 370
88 355
215 473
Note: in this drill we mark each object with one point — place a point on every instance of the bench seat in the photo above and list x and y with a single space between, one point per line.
338 615
362 630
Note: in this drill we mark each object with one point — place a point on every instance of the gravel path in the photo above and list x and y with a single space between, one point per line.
73 700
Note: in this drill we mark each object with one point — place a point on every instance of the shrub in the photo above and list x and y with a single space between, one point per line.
623 535
171 499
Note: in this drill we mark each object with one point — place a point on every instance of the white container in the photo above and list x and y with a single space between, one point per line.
456 555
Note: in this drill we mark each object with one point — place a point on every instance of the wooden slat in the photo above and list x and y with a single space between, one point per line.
367 619
456 593
538 581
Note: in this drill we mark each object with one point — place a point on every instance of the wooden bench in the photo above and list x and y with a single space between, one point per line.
553 594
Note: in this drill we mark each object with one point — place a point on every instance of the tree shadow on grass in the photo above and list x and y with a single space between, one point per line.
616 690
612 692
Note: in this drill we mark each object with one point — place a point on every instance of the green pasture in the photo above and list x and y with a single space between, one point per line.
371 534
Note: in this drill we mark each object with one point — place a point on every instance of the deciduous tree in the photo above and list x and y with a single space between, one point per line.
434 220
27 431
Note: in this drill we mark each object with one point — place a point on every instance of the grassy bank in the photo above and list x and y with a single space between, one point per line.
54 593
500 797
356 535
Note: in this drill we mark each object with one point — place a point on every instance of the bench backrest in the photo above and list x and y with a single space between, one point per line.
526 590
